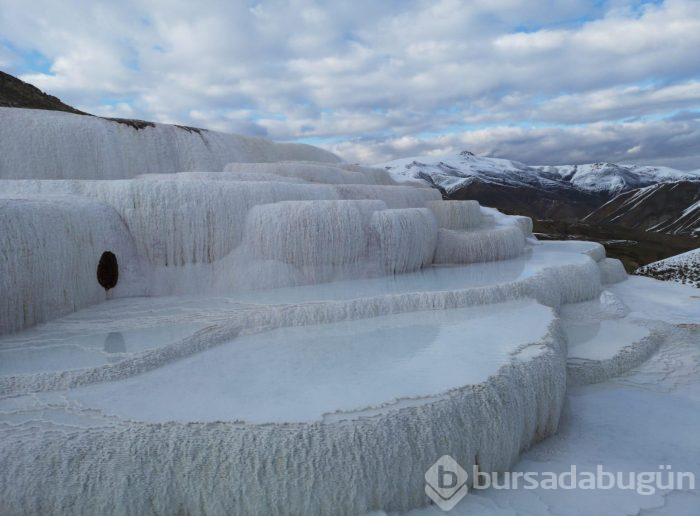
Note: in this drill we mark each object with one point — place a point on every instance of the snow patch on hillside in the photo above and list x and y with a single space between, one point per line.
683 268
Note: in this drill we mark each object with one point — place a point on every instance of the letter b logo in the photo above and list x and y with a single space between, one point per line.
446 483
443 475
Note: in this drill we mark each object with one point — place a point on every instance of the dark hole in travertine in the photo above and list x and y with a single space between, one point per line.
108 270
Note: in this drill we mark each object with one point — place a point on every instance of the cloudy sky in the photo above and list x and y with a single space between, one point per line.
544 82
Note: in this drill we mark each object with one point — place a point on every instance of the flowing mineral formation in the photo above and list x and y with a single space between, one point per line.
283 336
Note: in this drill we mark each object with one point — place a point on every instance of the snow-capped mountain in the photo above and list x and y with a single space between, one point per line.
615 178
454 172
683 268
615 196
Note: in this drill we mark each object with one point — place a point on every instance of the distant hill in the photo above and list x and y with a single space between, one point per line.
20 94
672 208
615 178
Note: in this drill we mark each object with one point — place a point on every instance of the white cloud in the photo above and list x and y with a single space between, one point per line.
378 75
678 141
120 110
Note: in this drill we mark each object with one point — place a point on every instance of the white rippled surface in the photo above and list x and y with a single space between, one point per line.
299 374
38 350
602 340
431 279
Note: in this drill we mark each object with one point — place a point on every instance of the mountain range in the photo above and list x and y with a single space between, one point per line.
563 192
640 213
452 173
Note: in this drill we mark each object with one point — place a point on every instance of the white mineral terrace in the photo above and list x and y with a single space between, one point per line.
122 329
283 336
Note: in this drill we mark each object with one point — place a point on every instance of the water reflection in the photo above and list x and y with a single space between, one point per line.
114 343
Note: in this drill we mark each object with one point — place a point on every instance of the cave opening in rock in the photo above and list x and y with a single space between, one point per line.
108 270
